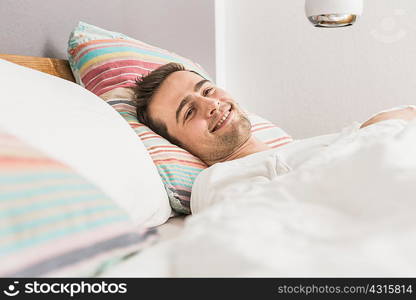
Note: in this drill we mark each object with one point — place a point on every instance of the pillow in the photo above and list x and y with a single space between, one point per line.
108 63
56 223
74 126
103 60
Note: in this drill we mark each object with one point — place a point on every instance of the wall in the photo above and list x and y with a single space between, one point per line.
42 27
314 81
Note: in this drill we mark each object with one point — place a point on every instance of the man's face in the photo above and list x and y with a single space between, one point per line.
204 118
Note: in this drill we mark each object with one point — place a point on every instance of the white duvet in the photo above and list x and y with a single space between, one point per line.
345 209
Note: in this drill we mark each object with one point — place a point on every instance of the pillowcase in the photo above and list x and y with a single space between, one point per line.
74 126
103 60
108 63
53 222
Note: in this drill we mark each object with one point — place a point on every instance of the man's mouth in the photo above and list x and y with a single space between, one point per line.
222 121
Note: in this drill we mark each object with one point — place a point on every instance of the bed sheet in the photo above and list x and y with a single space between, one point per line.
153 261
348 211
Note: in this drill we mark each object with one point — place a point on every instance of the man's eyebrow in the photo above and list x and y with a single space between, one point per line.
185 101
200 84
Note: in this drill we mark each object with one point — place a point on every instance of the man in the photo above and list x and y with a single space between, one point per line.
196 115
343 199
193 113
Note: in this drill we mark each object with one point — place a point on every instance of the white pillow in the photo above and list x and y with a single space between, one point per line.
78 128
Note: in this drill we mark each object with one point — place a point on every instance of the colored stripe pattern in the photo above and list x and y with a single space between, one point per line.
102 60
55 223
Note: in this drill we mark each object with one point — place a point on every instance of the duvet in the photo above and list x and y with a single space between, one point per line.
345 209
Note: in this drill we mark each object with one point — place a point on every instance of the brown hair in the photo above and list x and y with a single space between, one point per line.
145 89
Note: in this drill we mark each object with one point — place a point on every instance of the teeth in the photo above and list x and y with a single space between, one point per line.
222 120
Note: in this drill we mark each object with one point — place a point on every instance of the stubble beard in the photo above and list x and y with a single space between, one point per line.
227 143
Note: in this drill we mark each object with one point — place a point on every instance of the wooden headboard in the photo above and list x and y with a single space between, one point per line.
53 66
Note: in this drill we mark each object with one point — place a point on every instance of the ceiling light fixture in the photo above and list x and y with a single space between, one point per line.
333 13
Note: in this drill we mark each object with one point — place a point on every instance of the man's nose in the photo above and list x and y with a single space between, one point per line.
211 106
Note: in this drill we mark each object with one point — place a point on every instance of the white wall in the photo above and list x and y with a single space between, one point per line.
42 27
314 81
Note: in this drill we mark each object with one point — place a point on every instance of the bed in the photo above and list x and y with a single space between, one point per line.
347 211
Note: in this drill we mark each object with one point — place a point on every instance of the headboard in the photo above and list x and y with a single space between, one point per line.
53 66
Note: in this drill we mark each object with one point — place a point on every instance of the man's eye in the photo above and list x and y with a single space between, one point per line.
208 91
189 113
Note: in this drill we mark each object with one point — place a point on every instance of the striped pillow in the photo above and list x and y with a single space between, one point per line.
107 63
179 168
103 60
55 223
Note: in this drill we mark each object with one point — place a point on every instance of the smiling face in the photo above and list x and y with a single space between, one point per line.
203 118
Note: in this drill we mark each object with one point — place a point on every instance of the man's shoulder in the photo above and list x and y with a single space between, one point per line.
233 169
221 180
228 166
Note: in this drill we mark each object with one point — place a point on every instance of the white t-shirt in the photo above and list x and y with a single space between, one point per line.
216 182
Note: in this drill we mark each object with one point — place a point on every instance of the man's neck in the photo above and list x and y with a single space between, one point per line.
252 145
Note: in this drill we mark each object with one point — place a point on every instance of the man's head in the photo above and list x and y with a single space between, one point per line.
191 112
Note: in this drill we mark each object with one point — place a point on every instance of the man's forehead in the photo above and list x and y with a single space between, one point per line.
172 90
177 83
183 77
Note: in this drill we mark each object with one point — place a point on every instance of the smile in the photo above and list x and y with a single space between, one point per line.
222 121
